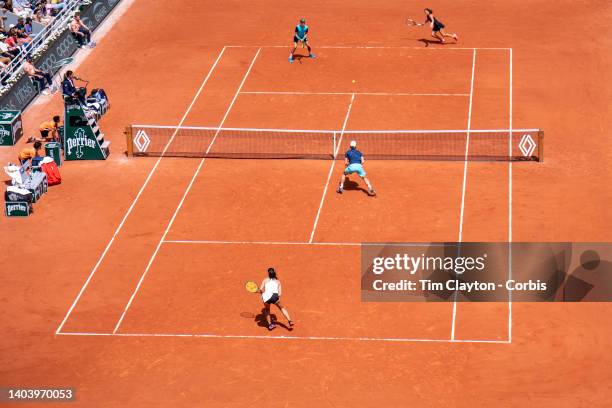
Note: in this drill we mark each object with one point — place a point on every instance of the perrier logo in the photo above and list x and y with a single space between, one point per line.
3 134
16 207
79 140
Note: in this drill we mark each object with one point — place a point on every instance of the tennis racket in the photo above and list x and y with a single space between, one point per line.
251 287
411 23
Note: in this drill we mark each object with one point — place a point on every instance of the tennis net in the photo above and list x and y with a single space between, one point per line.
242 143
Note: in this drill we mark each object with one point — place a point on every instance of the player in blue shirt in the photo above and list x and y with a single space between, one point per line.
353 159
301 36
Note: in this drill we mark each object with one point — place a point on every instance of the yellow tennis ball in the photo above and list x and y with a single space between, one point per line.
353 81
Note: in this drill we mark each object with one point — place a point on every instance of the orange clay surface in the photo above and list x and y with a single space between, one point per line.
152 63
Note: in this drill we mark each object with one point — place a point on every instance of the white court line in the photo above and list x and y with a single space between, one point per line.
465 172
331 169
176 211
261 337
510 208
376 47
352 93
467 148
146 182
212 242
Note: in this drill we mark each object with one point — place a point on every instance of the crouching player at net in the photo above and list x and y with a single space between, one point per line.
270 290
353 160
301 36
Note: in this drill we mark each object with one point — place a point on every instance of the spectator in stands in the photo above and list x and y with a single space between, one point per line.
19 28
24 26
5 56
42 16
12 42
52 8
28 153
42 78
28 28
8 5
19 38
80 31
4 61
49 130
21 7
3 19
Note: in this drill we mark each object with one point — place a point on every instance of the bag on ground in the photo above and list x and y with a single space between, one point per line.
99 94
52 172
99 97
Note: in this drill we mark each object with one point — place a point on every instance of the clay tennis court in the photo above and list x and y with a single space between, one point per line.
133 293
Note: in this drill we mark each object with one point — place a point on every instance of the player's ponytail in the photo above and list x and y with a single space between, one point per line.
429 11
271 273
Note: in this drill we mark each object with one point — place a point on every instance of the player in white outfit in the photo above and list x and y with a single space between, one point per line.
270 290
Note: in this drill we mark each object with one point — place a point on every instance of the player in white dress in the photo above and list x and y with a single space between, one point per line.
270 290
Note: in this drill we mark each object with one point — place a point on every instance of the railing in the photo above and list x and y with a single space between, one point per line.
60 23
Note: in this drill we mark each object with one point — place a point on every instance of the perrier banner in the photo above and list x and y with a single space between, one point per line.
82 137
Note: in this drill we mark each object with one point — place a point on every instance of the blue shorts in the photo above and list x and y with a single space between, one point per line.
355 168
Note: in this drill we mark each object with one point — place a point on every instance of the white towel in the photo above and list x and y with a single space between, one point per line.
14 172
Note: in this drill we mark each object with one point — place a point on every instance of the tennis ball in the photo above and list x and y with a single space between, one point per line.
353 81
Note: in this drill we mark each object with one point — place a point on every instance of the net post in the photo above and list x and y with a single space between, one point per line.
129 140
541 145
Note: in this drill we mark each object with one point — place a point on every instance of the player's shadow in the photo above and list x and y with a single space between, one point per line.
350 185
298 58
260 319
427 42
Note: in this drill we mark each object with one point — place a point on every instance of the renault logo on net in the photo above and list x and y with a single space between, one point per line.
141 140
527 145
